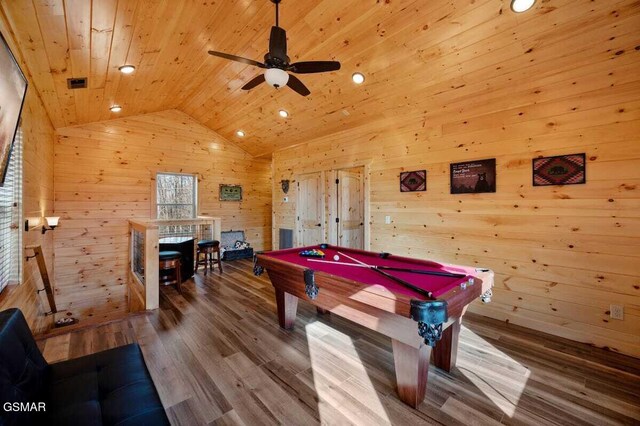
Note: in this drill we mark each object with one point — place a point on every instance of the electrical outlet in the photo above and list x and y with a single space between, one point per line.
387 220
616 312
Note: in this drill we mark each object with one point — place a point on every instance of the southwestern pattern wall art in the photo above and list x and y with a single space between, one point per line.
472 177
559 170
413 181
13 87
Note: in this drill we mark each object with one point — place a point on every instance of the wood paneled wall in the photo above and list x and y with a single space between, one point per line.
103 176
38 139
562 254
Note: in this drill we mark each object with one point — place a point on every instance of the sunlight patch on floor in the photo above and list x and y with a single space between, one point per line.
503 380
341 379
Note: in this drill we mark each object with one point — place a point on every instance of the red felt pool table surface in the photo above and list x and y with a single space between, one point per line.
438 285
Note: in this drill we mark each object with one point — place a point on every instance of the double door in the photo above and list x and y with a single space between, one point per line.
330 207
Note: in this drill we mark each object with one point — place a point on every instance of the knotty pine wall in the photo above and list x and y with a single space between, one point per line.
561 254
38 139
103 176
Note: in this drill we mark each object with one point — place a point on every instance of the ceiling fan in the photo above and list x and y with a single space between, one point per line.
276 63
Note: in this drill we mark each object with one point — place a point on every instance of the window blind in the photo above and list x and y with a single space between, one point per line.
11 218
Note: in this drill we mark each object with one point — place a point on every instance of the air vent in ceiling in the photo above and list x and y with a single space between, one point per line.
77 83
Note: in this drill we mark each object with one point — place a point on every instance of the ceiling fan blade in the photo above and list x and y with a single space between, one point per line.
253 83
310 67
278 43
297 85
237 59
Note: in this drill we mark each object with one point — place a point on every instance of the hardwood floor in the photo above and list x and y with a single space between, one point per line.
218 357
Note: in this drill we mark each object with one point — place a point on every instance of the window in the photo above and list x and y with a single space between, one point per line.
11 218
176 196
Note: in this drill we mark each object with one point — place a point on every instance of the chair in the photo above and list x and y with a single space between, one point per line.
170 265
208 247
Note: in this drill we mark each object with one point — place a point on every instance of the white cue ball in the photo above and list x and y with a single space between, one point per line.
336 257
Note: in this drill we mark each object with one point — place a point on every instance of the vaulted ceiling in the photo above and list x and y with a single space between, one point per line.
416 56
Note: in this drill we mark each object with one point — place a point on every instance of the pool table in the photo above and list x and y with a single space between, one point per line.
419 304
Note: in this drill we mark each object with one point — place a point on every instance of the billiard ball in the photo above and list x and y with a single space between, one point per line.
336 257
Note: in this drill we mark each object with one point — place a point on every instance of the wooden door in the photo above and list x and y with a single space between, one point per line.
310 209
350 211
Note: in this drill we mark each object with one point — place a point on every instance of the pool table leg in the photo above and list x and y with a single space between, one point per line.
445 353
412 367
287 307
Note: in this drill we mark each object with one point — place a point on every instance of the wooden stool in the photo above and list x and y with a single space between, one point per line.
208 247
170 263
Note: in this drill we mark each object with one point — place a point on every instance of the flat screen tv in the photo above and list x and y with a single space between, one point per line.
13 88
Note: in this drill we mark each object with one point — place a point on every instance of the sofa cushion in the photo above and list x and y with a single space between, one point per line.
22 367
112 387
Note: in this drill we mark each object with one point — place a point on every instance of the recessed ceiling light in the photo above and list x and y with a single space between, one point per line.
127 69
520 6
115 108
240 134
358 78
283 113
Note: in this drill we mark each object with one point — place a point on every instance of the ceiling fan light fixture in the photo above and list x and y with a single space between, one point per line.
240 134
115 108
127 69
283 113
276 77
519 6
357 77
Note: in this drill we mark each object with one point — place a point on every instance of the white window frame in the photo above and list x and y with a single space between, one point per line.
11 217
195 193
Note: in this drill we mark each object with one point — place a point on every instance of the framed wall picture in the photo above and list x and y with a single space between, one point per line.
13 88
413 181
560 170
230 192
473 177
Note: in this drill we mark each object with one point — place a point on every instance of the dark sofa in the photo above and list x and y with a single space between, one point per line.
112 387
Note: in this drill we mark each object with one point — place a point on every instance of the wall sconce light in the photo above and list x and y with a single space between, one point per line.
52 221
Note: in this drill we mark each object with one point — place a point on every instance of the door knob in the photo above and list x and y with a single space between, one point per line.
319 224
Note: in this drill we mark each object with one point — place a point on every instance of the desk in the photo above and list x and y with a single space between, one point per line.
417 320
185 245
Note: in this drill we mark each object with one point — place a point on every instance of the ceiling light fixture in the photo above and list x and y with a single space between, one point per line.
240 134
127 69
283 113
519 6
276 77
358 78
115 108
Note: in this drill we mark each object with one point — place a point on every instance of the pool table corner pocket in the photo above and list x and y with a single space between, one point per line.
486 296
430 316
257 269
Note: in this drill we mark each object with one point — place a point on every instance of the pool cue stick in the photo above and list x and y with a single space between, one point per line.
339 263
420 271
402 282
392 268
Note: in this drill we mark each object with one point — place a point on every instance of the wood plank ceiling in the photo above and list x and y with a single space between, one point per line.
417 56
